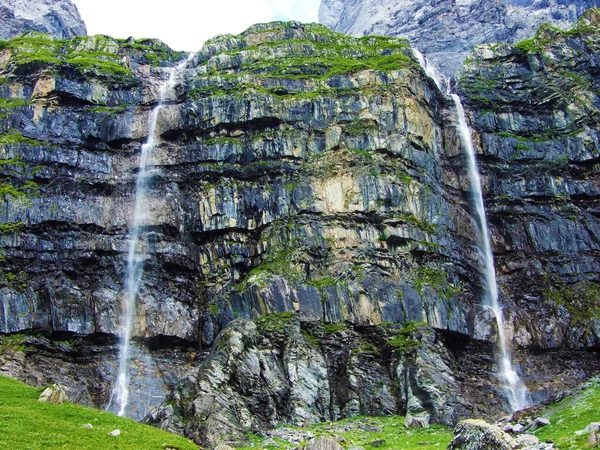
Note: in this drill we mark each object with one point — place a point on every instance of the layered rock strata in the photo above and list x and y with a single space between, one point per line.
535 108
307 220
447 30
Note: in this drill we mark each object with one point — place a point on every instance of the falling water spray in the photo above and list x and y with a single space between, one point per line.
516 391
137 254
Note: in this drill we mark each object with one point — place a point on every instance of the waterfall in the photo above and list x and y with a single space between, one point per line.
136 255
430 70
515 389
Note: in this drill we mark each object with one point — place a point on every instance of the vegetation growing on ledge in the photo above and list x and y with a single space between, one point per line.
580 299
548 34
407 338
13 343
6 104
16 189
156 52
274 322
302 57
12 137
437 279
95 56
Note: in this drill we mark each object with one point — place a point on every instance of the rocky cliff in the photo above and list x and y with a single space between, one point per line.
58 18
535 107
308 224
446 31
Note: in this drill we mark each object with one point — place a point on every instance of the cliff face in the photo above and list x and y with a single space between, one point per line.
535 107
57 18
446 31
307 220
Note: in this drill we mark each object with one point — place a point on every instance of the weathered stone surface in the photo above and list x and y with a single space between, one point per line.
54 394
447 30
539 162
479 435
419 421
594 426
323 443
542 421
308 225
58 18
527 440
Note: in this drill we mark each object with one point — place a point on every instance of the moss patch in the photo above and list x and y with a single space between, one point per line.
93 56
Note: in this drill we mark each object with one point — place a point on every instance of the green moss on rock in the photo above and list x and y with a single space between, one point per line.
93 56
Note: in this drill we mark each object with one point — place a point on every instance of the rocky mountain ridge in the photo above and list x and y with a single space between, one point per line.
310 225
58 18
446 31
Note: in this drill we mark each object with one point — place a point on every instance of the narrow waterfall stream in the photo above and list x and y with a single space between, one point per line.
516 391
137 256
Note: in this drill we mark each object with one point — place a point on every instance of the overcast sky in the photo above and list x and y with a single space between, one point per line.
186 24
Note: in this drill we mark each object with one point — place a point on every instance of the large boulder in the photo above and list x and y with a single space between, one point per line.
479 435
56 394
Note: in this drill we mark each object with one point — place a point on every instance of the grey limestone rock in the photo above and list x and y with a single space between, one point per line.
479 435
323 443
59 18
445 31
310 230
527 440
56 394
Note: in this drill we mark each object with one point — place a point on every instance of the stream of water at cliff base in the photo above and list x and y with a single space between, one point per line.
516 391
137 255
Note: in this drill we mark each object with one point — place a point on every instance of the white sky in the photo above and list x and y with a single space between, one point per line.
186 24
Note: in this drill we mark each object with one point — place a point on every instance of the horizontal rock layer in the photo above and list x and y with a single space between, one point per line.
299 172
535 108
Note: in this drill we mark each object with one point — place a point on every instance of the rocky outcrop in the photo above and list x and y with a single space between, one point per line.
307 223
445 31
535 108
278 370
56 18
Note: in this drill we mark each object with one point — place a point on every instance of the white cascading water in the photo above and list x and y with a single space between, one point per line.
136 254
516 391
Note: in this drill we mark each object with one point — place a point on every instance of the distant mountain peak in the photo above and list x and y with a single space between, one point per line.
59 18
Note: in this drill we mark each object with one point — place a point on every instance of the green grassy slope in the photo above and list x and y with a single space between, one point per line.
27 424
382 433
571 415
